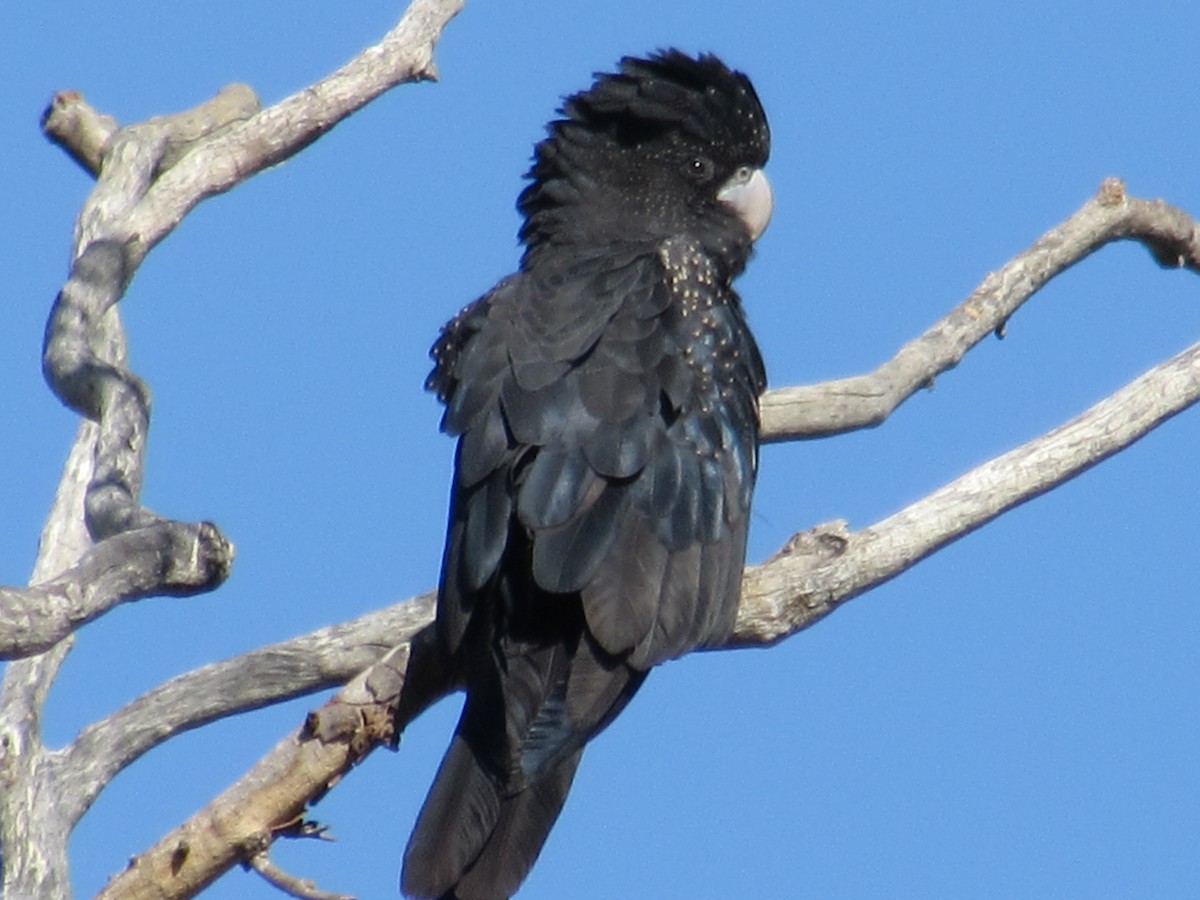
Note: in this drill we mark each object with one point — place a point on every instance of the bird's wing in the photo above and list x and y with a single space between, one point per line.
590 419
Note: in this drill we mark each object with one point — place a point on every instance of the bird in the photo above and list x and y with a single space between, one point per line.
604 399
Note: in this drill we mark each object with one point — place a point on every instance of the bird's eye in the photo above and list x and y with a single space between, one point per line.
700 168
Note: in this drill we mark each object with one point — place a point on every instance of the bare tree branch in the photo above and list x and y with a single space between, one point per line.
241 822
293 886
861 401
84 362
126 567
76 127
404 55
326 658
84 133
149 176
32 835
84 355
819 570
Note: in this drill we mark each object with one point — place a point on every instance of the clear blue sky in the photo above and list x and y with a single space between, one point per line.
1016 717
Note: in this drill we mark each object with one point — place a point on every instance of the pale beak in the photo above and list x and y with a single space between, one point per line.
749 193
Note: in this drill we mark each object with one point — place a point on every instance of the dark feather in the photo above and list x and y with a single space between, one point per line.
620 449
516 838
538 415
554 487
485 513
461 810
482 448
565 558
657 491
621 601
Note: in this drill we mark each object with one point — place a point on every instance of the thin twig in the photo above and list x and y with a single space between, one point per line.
292 885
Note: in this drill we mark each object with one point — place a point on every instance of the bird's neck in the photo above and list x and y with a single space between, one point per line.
556 239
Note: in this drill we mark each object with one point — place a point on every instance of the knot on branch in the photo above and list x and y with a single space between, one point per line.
792 589
363 714
199 562
1111 192
75 126
166 558
819 544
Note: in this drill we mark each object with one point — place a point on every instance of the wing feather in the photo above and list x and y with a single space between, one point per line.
554 487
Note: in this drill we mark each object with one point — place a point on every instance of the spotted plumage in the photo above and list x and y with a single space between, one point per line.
605 402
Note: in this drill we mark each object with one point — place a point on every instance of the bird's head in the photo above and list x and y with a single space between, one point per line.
664 146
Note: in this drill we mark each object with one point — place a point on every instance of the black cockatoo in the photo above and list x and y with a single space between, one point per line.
605 401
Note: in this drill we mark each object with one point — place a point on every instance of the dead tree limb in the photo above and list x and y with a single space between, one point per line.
862 401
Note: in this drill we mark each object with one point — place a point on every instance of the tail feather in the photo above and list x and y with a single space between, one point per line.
460 812
521 829
530 709
471 842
